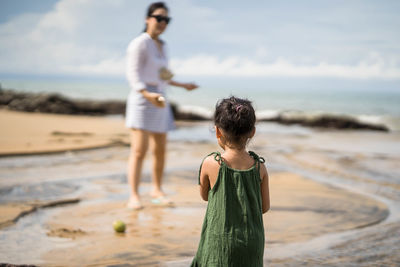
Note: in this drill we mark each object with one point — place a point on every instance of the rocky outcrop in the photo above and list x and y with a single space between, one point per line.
59 104
328 121
56 103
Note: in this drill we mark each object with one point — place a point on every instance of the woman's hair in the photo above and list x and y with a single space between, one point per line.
153 7
236 117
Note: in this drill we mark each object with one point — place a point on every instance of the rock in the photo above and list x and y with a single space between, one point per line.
56 103
186 115
14 265
328 121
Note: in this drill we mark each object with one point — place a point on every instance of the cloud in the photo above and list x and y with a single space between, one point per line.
108 67
77 37
89 38
373 67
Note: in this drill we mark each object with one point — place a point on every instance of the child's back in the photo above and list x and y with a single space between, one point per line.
235 185
233 231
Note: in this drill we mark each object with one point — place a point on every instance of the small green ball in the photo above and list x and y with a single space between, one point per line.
119 226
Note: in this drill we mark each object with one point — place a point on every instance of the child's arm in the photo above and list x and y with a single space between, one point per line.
265 189
204 179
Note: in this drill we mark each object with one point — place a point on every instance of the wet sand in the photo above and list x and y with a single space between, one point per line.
160 234
311 205
33 133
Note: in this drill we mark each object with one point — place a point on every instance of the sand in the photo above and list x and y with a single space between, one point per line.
160 234
76 225
32 133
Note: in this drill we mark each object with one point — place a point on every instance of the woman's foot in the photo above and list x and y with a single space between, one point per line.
159 198
162 200
134 204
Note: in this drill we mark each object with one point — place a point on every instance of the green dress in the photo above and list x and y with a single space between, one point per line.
233 230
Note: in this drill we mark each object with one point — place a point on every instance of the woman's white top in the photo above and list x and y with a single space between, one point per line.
144 61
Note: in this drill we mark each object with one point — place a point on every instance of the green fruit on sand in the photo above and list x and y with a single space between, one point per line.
119 226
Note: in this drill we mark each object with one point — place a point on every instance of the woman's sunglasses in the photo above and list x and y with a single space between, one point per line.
160 18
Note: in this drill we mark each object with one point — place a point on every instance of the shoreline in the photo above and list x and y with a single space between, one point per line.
30 133
58 104
304 210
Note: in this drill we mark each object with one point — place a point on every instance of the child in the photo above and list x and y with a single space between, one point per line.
235 184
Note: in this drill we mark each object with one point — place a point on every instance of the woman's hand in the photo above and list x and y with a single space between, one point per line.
187 86
154 98
190 86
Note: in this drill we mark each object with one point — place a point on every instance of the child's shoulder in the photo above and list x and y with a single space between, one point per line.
211 161
214 157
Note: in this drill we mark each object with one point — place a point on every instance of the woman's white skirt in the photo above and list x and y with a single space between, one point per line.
141 114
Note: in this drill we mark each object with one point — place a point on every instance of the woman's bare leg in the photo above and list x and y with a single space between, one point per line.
158 142
139 145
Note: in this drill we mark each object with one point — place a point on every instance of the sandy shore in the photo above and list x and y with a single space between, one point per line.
75 197
24 133
158 234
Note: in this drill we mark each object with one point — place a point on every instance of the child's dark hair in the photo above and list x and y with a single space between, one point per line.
236 117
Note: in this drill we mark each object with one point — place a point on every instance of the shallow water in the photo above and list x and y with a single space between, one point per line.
327 157
366 163
24 242
362 162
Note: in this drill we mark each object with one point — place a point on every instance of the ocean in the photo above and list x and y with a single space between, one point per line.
366 101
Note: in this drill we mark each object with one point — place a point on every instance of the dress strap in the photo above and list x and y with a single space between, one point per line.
217 157
257 158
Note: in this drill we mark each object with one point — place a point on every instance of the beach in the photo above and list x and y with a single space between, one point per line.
323 84
334 194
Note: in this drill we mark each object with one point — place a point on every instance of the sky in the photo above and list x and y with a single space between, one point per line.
314 39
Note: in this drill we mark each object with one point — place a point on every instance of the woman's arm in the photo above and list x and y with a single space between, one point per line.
154 98
187 86
265 189
136 58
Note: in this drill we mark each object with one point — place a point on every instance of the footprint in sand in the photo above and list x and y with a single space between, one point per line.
57 133
66 233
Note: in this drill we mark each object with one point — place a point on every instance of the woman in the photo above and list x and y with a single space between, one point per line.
148 113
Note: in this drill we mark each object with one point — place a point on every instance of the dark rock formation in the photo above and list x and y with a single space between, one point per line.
14 265
328 121
188 116
56 103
